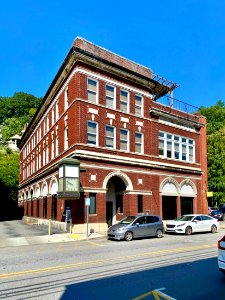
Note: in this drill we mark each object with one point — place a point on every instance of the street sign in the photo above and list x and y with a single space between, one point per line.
88 201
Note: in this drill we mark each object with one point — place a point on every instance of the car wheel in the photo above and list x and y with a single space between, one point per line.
128 236
159 233
213 229
188 230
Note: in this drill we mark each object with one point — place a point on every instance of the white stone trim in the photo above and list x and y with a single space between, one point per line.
121 159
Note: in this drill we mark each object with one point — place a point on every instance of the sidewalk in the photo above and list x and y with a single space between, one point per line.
59 238
45 239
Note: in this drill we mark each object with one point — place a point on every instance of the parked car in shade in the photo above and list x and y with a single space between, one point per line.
217 214
221 254
192 223
137 226
210 209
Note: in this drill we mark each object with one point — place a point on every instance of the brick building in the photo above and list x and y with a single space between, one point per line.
136 153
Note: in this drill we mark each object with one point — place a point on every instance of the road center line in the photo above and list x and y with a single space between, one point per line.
95 262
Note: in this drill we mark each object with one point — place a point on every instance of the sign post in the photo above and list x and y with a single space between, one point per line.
87 206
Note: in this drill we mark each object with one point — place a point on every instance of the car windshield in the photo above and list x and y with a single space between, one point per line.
127 220
215 212
185 218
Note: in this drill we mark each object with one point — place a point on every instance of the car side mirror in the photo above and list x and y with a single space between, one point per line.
137 224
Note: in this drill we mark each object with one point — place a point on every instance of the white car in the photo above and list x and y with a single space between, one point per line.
221 254
192 223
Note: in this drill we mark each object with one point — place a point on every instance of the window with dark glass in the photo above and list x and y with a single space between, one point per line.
110 137
110 96
140 203
124 101
92 133
92 208
176 147
124 139
92 90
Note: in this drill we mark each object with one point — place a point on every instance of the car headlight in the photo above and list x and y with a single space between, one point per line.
120 229
181 225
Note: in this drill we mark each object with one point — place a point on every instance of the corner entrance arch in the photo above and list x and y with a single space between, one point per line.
116 184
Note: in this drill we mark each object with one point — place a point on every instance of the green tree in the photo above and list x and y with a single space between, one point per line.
215 116
9 180
20 105
11 127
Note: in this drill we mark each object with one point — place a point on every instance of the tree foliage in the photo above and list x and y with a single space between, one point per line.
9 180
18 106
11 127
15 112
216 150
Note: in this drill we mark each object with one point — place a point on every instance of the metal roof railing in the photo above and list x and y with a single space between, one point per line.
177 104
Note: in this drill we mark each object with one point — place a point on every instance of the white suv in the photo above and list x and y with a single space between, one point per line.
221 254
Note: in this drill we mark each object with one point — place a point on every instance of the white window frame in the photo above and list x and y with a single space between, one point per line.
124 140
92 91
138 107
173 145
66 104
123 102
53 148
112 138
93 134
140 144
66 137
57 146
53 116
57 110
112 99
47 153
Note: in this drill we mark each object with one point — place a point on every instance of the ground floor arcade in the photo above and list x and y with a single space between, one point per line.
119 194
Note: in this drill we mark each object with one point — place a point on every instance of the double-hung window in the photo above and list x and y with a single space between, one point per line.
138 142
124 101
53 116
57 146
66 98
66 136
138 105
110 96
92 88
92 131
57 110
110 137
176 147
53 148
124 139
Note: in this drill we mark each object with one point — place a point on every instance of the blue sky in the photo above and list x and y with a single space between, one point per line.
181 40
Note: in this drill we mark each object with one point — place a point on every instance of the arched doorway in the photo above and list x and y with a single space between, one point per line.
169 192
187 195
114 199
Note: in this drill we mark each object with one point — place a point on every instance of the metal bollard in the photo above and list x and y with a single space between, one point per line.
70 226
49 227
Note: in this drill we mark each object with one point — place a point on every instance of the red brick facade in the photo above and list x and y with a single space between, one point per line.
112 174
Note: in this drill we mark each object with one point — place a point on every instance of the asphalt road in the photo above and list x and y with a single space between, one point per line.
182 267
